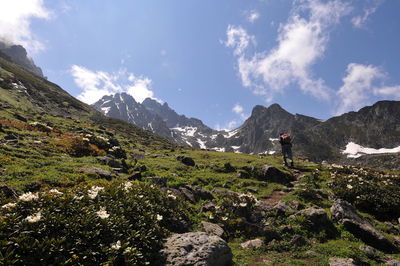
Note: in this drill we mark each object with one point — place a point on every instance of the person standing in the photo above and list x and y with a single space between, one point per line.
286 142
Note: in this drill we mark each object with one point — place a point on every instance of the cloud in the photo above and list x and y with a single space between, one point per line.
237 109
362 85
15 20
360 20
252 16
238 39
301 43
96 84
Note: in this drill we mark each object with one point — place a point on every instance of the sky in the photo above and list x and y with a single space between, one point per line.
216 60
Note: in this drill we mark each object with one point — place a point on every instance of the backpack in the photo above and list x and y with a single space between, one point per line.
286 139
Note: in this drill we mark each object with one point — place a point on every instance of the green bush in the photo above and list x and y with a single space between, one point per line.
371 191
122 223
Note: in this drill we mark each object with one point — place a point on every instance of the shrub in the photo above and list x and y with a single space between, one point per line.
122 223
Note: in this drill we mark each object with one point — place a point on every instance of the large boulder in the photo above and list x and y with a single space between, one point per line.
345 213
316 216
186 160
197 249
341 262
272 174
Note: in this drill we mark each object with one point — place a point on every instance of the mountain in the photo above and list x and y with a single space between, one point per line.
18 54
373 127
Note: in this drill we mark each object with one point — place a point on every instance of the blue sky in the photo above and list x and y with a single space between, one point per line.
215 60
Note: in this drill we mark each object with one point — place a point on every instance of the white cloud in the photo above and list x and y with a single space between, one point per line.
96 84
15 20
253 15
237 109
363 85
238 39
360 20
357 86
301 43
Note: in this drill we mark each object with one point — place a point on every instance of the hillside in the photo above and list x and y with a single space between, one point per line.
77 187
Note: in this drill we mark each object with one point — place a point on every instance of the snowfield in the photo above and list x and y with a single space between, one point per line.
354 150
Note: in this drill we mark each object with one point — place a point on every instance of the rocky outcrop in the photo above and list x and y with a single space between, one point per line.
197 249
345 213
341 262
255 244
272 174
212 229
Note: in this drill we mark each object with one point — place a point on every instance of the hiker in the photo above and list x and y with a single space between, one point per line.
286 142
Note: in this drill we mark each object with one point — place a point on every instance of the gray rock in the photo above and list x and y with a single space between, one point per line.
298 241
345 213
197 249
392 262
8 192
186 160
255 244
341 262
208 207
316 216
212 229
274 175
99 172
159 181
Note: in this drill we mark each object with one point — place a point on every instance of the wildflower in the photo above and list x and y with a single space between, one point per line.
116 246
55 191
159 217
29 196
224 218
78 197
128 250
243 204
92 193
127 186
9 205
140 196
34 218
349 186
102 213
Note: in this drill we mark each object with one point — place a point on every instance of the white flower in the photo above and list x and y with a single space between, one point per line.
159 217
172 196
128 250
92 193
29 196
116 246
9 205
34 218
78 197
349 186
127 186
55 191
224 218
102 213
243 204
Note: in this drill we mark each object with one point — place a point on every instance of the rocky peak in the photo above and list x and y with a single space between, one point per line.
19 55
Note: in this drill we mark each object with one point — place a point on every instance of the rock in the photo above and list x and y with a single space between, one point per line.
372 253
316 216
392 262
186 160
135 176
346 214
312 253
228 168
255 244
110 161
281 207
298 241
196 248
8 192
212 229
341 262
208 207
99 172
274 175
202 194
188 194
159 181
270 234
20 117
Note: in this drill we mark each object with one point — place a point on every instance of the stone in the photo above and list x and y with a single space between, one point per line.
135 176
298 241
202 194
345 213
186 160
392 262
211 229
254 244
110 161
341 262
316 216
8 192
208 207
274 175
99 172
159 181
281 207
197 249
188 194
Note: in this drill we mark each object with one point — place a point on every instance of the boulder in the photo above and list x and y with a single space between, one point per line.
135 176
208 207
99 172
255 244
274 175
186 160
341 262
212 229
316 216
197 249
110 161
345 213
298 241
159 181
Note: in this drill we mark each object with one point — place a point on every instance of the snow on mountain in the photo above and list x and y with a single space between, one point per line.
354 150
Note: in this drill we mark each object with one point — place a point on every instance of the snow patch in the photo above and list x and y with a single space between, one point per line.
219 149
354 150
273 139
202 144
105 110
187 131
232 133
